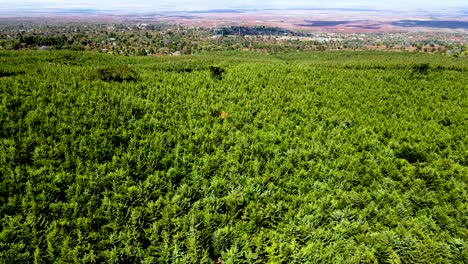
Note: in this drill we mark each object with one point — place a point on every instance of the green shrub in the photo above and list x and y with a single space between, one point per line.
4 73
119 73
411 154
422 68
217 72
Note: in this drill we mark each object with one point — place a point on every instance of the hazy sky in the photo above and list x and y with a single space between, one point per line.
220 4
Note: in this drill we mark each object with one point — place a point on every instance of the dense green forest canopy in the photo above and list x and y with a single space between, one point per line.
233 157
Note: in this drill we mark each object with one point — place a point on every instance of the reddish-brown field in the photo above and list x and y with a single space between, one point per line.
324 21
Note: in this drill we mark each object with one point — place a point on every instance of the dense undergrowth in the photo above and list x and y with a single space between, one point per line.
334 157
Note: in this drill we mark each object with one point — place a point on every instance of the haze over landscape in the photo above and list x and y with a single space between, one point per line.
157 6
333 16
